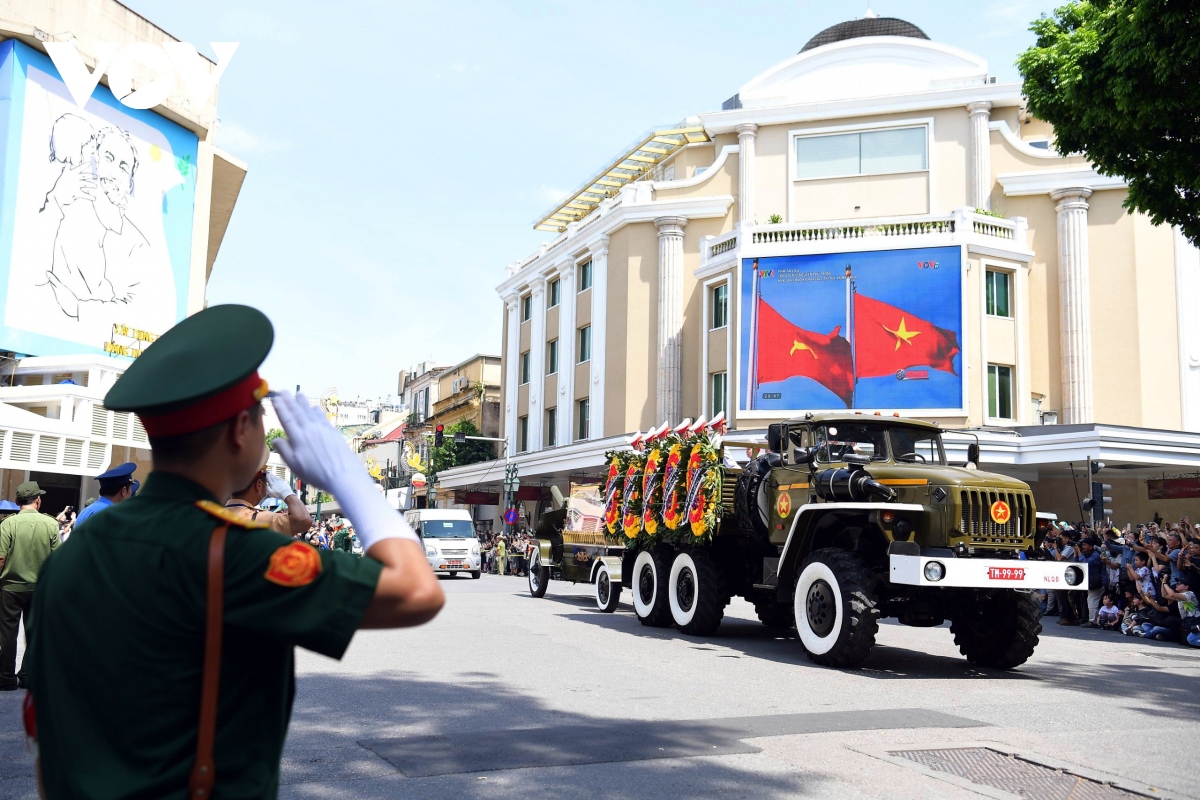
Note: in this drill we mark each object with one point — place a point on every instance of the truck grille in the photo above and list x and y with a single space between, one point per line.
980 528
454 552
728 489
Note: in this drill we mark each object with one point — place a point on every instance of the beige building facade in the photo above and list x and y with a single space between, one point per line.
1072 332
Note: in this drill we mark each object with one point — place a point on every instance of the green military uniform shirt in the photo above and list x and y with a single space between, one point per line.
341 541
26 540
117 646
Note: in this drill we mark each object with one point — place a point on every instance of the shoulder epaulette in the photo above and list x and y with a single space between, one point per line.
225 515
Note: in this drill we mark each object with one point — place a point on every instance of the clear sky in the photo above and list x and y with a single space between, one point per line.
400 152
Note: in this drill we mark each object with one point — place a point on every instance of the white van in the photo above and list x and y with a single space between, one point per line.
449 537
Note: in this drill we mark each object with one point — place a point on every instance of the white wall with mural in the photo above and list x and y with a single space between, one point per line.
96 213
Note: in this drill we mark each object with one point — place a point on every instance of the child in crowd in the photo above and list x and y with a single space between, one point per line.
1109 616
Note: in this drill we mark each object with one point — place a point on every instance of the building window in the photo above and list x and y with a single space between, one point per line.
551 427
867 153
719 394
1000 402
997 293
522 434
552 356
585 276
585 344
554 294
583 414
720 306
524 368
526 308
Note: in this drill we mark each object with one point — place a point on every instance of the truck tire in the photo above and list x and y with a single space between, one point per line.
696 593
475 574
650 603
608 594
539 577
777 616
752 501
836 614
1000 631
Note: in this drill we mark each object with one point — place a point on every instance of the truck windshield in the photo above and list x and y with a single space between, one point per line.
447 529
840 440
916 445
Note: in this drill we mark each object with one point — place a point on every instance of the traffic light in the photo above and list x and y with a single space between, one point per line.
1097 501
439 435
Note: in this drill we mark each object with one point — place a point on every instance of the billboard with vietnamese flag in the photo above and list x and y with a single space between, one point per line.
877 330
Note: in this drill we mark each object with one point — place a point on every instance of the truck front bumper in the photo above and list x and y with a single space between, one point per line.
985 573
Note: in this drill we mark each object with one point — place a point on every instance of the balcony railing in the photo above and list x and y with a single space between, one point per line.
961 226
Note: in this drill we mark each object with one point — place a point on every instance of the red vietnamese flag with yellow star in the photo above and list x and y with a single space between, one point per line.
889 339
787 351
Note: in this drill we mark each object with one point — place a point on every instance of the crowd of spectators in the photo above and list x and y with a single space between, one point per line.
1142 580
333 534
506 554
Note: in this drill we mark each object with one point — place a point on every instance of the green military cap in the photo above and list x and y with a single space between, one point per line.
28 490
199 373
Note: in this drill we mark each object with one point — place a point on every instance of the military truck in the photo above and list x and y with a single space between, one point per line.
844 519
571 546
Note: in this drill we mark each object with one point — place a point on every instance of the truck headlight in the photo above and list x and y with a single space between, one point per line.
902 530
430 552
934 571
1073 576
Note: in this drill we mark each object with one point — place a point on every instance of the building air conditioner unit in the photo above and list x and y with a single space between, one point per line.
1049 417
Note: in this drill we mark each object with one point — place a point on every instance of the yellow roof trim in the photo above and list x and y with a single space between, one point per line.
635 163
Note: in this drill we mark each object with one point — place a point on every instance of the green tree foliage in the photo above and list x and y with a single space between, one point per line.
457 455
272 435
1120 82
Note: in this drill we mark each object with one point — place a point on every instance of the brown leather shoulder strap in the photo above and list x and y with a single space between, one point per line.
204 771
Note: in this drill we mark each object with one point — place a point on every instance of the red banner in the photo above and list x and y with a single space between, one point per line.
1173 489
476 498
786 351
889 339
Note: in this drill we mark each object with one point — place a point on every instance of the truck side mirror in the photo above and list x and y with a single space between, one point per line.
973 453
777 437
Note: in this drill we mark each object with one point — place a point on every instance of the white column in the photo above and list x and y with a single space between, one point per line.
669 399
747 132
980 167
599 328
1075 308
537 362
566 354
511 376
1187 300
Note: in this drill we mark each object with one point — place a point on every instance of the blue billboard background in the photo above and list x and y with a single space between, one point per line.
810 292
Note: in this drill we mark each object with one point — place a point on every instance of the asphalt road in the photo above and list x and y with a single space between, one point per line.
507 696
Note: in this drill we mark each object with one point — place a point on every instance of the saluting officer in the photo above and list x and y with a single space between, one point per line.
161 647
116 486
267 484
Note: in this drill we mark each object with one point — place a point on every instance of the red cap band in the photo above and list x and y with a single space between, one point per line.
207 412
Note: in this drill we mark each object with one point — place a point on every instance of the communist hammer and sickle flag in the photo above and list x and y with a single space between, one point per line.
787 351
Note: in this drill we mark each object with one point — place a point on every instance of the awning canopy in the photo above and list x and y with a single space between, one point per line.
654 147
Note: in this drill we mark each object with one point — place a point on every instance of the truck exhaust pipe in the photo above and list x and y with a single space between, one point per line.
854 485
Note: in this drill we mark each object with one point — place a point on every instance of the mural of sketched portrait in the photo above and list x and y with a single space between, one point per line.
875 330
101 214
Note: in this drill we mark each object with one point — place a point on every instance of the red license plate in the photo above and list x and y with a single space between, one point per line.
1006 573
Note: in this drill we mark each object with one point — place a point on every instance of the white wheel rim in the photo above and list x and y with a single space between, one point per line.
812 642
533 574
602 580
643 560
682 562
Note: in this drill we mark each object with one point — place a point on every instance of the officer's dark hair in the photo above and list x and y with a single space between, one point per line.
193 446
112 489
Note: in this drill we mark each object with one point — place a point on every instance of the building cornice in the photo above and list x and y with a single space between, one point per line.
1047 181
998 94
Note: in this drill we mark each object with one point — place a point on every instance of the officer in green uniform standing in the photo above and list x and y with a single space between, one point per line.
26 540
161 649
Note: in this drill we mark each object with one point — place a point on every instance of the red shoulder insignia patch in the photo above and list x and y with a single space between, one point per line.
228 515
295 564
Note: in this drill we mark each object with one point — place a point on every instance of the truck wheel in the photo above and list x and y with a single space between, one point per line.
539 576
752 500
776 615
1000 631
608 594
650 571
475 574
696 595
836 615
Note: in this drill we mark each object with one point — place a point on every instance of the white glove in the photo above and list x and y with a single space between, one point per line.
277 487
319 455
